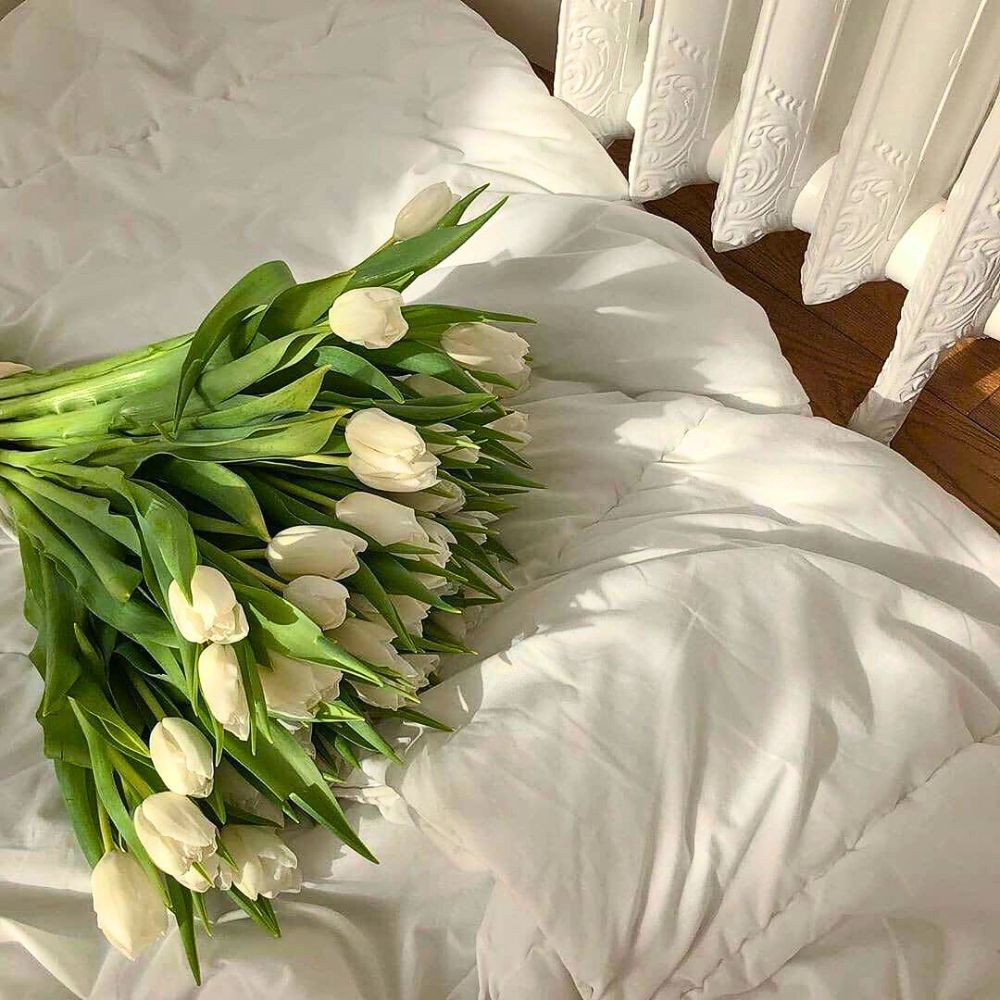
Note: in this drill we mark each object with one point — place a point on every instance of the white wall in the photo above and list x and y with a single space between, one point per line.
529 24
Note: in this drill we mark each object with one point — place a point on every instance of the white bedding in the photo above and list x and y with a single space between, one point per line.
736 733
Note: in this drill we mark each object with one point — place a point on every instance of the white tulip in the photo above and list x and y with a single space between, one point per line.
215 868
447 498
213 613
265 865
294 688
440 540
322 600
519 382
222 688
371 317
424 664
8 368
302 735
370 641
486 347
174 832
454 626
388 522
237 791
473 523
423 211
315 550
388 454
514 424
411 611
428 385
182 757
129 910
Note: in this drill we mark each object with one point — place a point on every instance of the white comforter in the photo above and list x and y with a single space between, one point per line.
736 733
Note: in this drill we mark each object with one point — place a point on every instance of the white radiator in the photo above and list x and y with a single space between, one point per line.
871 124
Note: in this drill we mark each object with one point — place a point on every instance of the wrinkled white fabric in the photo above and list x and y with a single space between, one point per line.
735 733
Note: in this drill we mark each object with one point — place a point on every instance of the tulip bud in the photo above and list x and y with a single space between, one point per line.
446 498
371 317
129 910
424 664
294 688
486 347
518 381
423 211
514 424
411 611
315 550
440 539
388 522
322 600
265 865
219 875
222 688
213 613
182 757
238 791
8 368
174 832
388 454
370 641
428 385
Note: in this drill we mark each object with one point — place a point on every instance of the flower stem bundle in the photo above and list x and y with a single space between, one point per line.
245 547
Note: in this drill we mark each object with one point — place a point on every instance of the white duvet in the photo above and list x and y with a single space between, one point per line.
737 732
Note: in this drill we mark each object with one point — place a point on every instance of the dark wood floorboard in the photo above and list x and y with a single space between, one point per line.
837 348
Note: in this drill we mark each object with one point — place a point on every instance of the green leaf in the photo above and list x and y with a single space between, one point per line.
182 905
166 533
428 314
396 579
134 617
287 630
412 715
80 797
224 381
366 583
424 359
258 910
258 286
220 486
90 698
101 552
108 793
284 768
397 265
94 510
295 397
302 305
352 365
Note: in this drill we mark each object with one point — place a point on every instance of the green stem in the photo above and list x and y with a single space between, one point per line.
248 553
147 696
121 764
104 822
31 383
287 486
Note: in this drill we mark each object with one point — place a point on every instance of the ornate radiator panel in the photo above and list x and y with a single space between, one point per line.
923 97
802 76
956 289
599 61
849 119
690 82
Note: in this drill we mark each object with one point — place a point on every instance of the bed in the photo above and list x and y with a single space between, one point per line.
736 733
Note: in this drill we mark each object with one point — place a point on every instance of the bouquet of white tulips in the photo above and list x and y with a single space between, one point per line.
243 548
